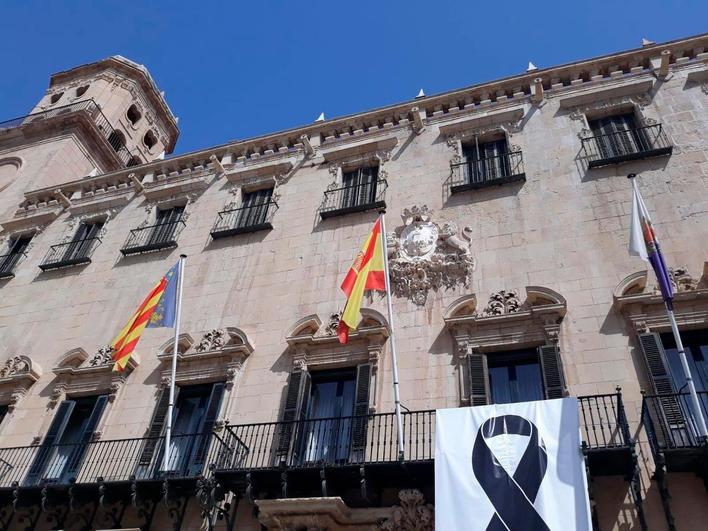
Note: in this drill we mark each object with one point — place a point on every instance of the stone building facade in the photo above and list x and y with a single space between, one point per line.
508 212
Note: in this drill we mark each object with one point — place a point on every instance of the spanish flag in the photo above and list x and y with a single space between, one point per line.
367 273
155 311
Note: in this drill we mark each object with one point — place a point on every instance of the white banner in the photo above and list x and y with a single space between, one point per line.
511 467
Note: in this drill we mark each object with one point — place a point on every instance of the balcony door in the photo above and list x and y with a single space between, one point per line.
254 208
82 242
487 161
618 136
59 458
16 250
359 187
515 377
165 224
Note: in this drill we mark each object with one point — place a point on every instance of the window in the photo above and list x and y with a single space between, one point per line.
150 139
515 377
3 412
117 140
696 347
81 91
56 97
133 114
166 224
618 135
254 209
486 160
196 410
359 187
16 251
60 456
83 241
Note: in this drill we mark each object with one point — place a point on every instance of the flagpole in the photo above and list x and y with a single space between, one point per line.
696 403
175 350
394 358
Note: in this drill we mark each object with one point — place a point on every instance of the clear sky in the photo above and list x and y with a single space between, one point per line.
233 70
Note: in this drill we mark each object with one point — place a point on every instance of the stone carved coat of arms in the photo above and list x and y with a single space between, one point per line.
425 256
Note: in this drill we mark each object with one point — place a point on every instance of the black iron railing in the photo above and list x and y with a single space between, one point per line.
153 238
8 262
603 422
249 218
356 198
487 171
110 460
622 146
670 421
69 254
92 109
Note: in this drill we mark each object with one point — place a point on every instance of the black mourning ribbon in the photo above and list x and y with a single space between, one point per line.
512 497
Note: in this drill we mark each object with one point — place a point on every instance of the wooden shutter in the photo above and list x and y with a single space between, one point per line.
350 180
56 430
210 416
74 462
157 425
552 370
361 411
477 379
655 359
295 408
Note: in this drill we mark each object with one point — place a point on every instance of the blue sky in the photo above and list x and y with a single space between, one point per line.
233 70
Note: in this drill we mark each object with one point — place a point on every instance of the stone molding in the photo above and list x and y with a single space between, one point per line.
625 88
640 302
348 150
427 256
319 514
413 514
161 186
17 375
34 218
481 122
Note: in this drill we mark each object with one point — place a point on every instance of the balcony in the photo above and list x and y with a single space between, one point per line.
8 262
69 254
245 219
90 109
489 171
356 198
673 434
153 238
627 145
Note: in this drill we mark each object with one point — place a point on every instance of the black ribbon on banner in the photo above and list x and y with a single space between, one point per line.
511 496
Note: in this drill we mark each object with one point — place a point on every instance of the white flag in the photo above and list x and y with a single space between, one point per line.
515 467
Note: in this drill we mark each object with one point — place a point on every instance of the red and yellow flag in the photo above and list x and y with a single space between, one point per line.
367 273
124 344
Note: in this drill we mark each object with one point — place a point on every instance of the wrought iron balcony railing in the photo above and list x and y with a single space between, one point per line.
356 198
670 421
603 422
69 254
622 146
8 262
153 238
90 108
488 171
249 218
110 460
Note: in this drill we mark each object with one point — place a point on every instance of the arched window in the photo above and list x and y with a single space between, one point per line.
116 139
56 97
81 91
133 114
150 139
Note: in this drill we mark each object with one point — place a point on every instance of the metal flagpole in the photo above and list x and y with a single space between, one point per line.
700 420
394 358
175 350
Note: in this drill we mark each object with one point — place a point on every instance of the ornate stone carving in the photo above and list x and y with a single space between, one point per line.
57 395
425 256
212 340
681 279
413 514
15 366
501 303
640 100
103 356
330 329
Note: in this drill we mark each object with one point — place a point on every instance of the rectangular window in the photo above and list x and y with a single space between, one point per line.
359 187
486 161
16 250
166 225
618 136
254 208
83 241
696 347
515 376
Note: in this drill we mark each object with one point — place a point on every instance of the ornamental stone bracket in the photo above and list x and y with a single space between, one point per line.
319 514
426 256
413 514
638 298
218 356
78 374
17 374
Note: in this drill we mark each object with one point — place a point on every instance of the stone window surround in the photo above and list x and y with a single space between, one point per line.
17 375
247 177
219 356
350 156
73 222
315 346
533 323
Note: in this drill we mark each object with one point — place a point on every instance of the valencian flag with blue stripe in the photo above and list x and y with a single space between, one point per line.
643 243
157 310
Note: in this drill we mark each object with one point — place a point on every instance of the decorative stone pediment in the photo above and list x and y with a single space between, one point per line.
78 373
639 299
218 356
477 122
425 255
17 374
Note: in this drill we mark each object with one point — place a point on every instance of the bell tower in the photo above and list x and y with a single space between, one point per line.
95 118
